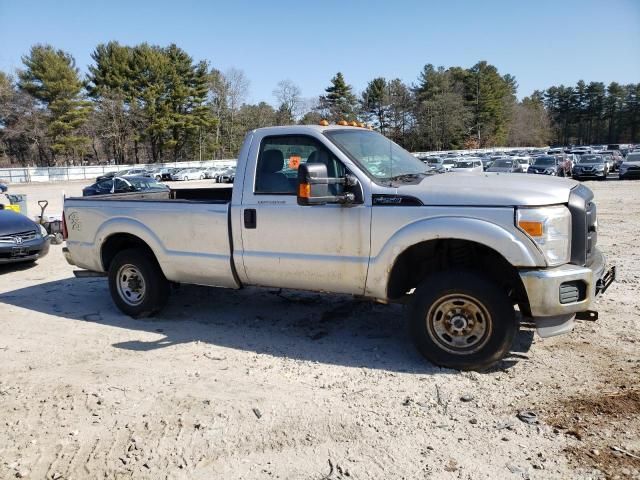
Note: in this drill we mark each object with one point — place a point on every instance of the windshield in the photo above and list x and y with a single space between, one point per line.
544 161
382 158
434 161
464 164
502 163
591 159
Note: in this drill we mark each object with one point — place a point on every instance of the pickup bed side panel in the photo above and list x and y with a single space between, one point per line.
189 239
394 229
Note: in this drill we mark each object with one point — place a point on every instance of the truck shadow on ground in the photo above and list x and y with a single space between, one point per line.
329 329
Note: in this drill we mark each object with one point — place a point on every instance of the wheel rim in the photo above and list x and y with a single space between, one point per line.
131 285
459 324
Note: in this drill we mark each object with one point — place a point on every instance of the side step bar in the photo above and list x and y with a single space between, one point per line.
88 273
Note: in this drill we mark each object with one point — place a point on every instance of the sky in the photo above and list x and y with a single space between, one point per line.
541 42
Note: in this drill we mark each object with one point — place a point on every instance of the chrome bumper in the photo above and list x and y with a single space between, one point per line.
67 256
543 291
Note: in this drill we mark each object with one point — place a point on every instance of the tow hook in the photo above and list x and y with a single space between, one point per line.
589 315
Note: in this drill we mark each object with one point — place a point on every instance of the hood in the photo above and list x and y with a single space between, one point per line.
490 189
12 222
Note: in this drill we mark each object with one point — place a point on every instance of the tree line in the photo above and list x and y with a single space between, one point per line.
146 104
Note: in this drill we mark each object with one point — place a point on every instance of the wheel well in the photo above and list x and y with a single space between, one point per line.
425 258
119 242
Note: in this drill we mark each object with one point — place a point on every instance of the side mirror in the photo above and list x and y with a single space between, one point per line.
313 186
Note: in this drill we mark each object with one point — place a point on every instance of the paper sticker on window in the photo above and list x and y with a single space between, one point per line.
294 162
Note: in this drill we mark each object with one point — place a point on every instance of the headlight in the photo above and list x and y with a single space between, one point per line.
43 231
549 171
550 228
599 167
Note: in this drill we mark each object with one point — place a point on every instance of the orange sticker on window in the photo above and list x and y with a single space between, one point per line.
294 162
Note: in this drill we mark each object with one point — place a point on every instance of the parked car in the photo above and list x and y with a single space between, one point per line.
226 176
590 166
213 172
21 239
504 165
3 187
124 185
462 257
135 172
630 168
486 163
188 174
546 165
523 163
447 164
471 165
616 157
167 172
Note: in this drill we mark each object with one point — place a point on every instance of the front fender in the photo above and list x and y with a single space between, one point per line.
513 245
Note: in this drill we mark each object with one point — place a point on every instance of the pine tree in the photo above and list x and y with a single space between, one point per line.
51 77
339 103
375 103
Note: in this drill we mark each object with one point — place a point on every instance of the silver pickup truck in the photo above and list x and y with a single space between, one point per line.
345 210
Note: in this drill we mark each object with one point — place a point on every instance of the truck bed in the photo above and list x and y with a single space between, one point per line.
187 229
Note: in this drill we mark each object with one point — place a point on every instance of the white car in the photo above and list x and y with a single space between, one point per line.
468 165
213 172
189 174
524 162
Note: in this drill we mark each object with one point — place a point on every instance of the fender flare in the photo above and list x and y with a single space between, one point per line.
129 226
514 246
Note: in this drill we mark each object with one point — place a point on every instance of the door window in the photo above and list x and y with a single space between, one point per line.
280 157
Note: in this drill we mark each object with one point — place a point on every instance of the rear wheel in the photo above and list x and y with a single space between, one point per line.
137 285
462 320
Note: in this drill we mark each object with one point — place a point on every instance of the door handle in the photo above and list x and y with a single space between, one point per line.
250 220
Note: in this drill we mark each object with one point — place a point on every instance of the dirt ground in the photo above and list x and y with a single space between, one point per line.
257 384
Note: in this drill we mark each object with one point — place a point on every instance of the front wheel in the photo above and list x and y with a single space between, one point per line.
462 320
136 283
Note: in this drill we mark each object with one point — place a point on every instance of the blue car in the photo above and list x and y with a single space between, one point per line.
3 187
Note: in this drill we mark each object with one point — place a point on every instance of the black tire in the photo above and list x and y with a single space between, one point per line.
493 311
145 298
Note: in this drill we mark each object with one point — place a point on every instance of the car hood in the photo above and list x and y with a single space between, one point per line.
493 189
12 222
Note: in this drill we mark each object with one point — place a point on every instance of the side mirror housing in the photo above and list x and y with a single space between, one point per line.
313 186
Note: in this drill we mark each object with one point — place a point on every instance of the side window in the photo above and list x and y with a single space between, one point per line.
120 185
280 157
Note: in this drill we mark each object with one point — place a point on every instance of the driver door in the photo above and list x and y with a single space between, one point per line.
322 247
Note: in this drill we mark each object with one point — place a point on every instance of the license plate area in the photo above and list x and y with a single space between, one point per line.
19 252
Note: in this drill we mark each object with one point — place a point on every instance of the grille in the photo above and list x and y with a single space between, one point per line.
584 235
24 236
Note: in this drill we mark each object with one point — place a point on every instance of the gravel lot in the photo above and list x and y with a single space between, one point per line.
267 384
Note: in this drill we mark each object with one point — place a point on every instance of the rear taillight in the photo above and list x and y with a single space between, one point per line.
65 234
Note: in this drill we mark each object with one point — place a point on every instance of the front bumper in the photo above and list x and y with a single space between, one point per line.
32 250
544 288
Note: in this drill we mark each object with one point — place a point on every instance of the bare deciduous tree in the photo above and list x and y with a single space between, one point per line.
289 99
